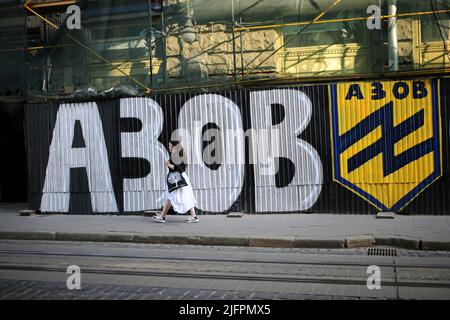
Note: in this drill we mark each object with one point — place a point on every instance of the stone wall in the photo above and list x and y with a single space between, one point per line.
405 42
217 55
214 55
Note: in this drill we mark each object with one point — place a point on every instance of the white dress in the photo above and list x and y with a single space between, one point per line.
182 199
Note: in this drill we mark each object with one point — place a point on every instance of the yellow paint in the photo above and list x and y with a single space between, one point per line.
370 177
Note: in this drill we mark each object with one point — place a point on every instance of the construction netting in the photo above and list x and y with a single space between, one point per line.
134 47
12 50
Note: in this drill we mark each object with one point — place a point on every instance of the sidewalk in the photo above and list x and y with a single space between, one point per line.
269 230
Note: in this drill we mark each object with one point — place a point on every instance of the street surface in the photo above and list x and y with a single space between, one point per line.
119 271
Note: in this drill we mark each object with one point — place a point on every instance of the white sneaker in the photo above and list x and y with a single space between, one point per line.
192 220
159 218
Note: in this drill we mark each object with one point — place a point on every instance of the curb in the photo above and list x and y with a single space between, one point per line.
282 242
436 245
168 239
320 243
92 237
404 243
49 236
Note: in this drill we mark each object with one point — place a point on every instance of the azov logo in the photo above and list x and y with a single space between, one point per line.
386 139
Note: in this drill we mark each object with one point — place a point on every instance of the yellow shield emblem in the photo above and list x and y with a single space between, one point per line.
386 139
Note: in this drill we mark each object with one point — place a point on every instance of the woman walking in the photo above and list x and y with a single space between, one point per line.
178 193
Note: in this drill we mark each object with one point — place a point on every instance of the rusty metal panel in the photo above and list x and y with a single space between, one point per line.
262 150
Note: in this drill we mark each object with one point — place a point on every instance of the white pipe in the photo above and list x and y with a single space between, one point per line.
392 36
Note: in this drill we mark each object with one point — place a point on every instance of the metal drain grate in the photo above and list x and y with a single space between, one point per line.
382 252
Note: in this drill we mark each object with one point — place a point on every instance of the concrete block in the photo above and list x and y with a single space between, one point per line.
406 243
218 241
320 243
436 245
93 237
26 213
119 237
235 215
146 238
160 239
398 242
271 242
175 239
385 215
359 241
27 235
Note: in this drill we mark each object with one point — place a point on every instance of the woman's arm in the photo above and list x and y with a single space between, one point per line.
170 165
178 167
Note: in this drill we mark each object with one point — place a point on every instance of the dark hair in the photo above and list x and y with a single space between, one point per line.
174 142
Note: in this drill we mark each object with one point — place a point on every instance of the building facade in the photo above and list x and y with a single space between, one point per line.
295 106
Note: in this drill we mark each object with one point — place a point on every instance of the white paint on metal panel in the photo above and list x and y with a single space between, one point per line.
306 185
215 190
93 157
144 193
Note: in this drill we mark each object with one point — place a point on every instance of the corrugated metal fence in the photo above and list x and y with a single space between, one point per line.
343 148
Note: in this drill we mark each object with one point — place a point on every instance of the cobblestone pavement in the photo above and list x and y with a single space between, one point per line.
48 290
119 271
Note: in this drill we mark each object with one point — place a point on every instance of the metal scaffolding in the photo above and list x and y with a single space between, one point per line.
168 62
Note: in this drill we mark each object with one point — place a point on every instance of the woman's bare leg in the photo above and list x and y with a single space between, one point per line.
166 208
192 212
